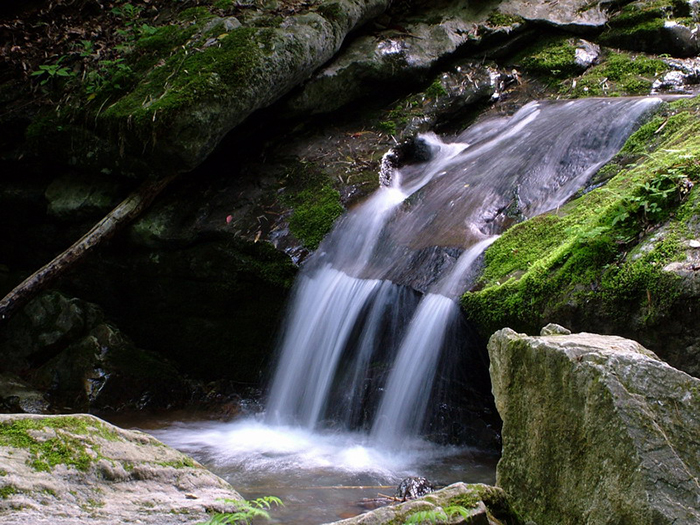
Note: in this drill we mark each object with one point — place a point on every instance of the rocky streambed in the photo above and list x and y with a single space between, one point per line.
271 119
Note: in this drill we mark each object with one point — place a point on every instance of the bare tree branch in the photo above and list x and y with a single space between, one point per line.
120 216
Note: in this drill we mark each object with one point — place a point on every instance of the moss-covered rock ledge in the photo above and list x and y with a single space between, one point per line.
72 470
596 430
201 75
623 258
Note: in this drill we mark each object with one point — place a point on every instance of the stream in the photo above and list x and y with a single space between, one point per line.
320 476
374 334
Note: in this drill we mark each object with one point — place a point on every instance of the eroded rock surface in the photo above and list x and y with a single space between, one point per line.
87 471
596 430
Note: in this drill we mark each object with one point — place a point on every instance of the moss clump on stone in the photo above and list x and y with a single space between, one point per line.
315 211
619 74
499 19
183 462
186 77
7 490
550 59
584 253
641 26
59 446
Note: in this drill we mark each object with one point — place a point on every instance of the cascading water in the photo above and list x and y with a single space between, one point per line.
471 189
373 325
404 403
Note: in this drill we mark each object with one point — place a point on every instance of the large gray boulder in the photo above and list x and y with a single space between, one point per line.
596 430
403 52
71 470
574 15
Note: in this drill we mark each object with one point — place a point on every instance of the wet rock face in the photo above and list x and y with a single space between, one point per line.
596 429
65 349
79 469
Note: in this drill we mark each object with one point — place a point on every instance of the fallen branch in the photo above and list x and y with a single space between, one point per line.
120 216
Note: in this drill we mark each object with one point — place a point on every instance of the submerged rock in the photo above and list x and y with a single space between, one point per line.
71 470
596 430
479 504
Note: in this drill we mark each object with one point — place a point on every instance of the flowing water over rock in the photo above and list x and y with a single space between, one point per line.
407 234
374 334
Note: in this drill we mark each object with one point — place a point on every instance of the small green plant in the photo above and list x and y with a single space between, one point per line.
247 511
127 12
651 201
436 90
388 127
111 76
438 515
86 48
50 72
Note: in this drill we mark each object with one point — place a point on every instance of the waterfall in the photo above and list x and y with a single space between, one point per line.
403 406
359 347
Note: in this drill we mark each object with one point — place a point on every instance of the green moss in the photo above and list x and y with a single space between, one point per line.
640 25
187 77
581 254
550 58
60 448
315 211
436 89
7 490
498 19
195 14
649 135
619 74
223 4
165 39
332 11
387 126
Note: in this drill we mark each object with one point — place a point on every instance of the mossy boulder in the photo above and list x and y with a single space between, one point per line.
397 59
474 504
596 430
70 470
182 107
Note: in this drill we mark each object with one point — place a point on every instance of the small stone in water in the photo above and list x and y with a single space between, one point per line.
413 487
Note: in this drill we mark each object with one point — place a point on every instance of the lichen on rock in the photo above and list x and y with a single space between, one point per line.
596 429
88 471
